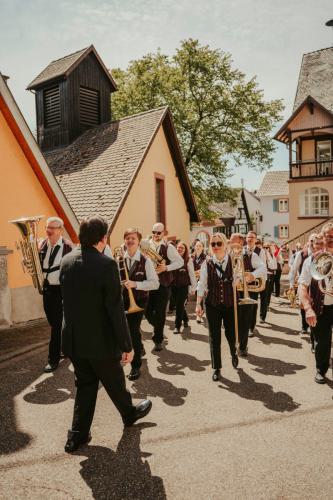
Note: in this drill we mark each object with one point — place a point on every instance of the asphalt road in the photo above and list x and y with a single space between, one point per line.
264 432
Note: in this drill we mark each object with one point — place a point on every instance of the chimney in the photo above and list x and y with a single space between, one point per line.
72 95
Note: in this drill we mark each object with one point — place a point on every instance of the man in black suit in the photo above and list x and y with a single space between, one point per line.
95 334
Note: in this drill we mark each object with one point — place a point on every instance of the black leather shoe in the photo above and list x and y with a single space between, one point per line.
234 360
143 351
51 367
176 330
158 347
319 378
216 375
75 440
141 410
185 324
242 353
134 374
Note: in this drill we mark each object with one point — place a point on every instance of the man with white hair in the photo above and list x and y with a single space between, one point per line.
158 299
51 251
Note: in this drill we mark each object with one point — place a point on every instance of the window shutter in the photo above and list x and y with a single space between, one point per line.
275 205
52 107
89 107
276 230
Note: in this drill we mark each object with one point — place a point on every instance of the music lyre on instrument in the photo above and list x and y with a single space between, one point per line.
29 248
119 257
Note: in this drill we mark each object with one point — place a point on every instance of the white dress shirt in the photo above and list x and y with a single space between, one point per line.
305 279
193 279
176 261
269 260
259 266
152 281
53 277
202 285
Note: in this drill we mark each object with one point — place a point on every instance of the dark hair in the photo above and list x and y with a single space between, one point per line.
132 230
92 231
186 253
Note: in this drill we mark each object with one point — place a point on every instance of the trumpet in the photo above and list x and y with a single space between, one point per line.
148 251
118 255
321 268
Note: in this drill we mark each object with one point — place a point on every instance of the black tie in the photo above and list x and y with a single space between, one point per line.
53 254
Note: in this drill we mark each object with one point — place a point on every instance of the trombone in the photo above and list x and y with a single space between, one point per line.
118 255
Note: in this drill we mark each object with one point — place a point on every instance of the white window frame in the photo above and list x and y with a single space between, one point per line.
283 231
283 205
314 202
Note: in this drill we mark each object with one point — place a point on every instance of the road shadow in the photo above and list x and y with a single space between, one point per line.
124 473
268 340
281 329
275 367
285 313
187 334
174 363
56 388
148 386
248 388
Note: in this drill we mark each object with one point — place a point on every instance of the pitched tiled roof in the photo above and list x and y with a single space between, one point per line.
61 67
96 171
315 78
227 209
274 183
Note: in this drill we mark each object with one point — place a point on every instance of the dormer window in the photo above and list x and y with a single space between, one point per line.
52 107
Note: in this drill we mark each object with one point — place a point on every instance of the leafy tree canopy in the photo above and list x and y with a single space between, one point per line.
221 117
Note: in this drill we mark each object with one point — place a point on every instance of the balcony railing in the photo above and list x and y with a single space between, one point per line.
311 168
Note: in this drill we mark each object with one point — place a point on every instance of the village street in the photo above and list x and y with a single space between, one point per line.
264 431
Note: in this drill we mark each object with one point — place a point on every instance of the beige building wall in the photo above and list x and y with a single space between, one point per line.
140 210
298 223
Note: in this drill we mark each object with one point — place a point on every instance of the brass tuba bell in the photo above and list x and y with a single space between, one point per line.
321 267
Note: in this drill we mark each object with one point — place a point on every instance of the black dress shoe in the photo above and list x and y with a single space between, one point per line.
234 360
134 374
141 410
216 375
319 378
243 353
185 324
75 440
158 347
176 330
50 367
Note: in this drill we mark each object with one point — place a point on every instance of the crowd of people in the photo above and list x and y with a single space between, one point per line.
95 303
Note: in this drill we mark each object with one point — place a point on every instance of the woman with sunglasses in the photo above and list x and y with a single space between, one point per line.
184 281
216 286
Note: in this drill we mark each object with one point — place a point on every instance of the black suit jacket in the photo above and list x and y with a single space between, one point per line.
94 324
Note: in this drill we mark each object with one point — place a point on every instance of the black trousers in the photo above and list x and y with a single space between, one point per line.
156 311
88 374
134 322
246 319
265 296
322 334
52 302
277 280
180 295
254 311
215 316
305 326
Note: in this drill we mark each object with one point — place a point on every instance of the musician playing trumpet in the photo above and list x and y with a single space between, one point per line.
216 287
142 278
318 306
254 269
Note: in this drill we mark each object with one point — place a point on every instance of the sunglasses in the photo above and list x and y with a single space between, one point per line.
53 227
157 232
216 244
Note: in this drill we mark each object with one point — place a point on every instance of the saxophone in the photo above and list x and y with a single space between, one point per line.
29 248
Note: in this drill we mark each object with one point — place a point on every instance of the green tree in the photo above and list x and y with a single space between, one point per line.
221 117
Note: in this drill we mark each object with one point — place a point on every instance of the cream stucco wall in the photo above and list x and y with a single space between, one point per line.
139 209
297 223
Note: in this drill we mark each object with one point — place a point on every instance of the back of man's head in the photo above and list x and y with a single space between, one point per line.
92 231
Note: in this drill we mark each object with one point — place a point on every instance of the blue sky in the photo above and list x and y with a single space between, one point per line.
265 37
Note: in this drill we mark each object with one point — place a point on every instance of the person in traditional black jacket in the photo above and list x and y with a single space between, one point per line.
95 333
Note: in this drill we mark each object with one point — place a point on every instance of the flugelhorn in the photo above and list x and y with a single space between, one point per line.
118 255
29 248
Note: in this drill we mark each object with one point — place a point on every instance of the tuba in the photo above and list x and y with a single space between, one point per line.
321 268
118 255
148 251
29 248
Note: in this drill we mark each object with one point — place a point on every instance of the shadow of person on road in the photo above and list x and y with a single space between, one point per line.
285 312
187 334
124 473
267 340
56 388
174 363
271 366
148 386
248 388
